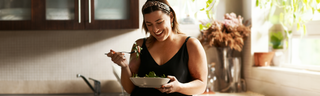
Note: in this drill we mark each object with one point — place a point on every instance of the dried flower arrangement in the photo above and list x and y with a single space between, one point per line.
228 33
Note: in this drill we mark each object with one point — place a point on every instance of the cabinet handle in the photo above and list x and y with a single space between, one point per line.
89 11
79 7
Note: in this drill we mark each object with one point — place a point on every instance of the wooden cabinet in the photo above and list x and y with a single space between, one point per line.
69 14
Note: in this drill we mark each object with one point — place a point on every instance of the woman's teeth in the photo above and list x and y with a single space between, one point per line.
158 33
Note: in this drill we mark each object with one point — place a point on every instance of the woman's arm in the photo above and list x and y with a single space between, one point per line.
127 69
197 67
198 70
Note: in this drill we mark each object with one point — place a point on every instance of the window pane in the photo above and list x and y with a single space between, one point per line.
15 10
186 9
59 9
306 51
111 9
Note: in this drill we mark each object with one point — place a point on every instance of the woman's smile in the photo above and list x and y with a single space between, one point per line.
158 33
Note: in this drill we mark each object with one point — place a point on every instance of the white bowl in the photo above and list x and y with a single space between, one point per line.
149 82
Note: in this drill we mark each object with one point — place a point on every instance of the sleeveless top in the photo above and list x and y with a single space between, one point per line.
177 66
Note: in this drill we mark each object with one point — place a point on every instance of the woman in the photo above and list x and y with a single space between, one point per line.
166 51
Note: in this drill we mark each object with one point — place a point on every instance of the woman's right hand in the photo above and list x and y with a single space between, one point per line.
118 58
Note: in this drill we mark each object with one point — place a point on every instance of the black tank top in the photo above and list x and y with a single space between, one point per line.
177 66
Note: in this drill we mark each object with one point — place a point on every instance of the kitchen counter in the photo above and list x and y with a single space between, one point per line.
119 94
87 94
232 94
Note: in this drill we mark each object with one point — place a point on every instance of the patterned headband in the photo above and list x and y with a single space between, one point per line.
156 3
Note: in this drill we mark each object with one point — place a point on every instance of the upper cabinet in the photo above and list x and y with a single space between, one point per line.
68 14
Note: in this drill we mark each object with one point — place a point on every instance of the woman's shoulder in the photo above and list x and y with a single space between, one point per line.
193 42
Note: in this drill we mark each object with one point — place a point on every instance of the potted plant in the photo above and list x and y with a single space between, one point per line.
294 14
276 42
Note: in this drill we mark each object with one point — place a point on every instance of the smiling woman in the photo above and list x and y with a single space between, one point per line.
166 51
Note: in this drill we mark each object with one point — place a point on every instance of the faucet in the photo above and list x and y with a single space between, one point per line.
97 89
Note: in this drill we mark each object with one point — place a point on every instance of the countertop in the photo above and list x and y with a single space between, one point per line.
119 94
248 93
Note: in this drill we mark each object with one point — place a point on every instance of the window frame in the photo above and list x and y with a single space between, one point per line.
311 33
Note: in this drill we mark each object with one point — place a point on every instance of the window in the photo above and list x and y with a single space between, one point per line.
305 50
186 10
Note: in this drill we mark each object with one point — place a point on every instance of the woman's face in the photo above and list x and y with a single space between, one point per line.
158 24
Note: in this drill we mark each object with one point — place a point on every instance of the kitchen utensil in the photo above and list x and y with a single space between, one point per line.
123 52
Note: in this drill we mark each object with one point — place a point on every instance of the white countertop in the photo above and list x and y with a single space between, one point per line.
232 94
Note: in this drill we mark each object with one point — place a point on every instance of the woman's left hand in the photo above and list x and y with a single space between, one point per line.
173 86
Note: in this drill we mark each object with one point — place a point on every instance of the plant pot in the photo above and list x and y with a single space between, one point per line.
263 58
278 57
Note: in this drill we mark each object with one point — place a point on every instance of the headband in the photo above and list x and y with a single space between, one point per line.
156 3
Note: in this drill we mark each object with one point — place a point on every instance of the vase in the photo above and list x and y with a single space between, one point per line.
236 84
222 70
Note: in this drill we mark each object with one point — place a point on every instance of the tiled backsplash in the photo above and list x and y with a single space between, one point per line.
28 59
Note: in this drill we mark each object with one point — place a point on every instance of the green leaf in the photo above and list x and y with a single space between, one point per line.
208 25
313 10
305 1
283 3
272 2
137 55
257 3
202 9
318 10
318 1
151 74
295 7
276 40
281 17
208 13
298 26
135 75
193 0
287 43
164 76
201 27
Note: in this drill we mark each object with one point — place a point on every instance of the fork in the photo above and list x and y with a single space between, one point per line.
123 52
127 52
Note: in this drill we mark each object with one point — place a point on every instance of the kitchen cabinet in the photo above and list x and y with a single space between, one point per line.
68 14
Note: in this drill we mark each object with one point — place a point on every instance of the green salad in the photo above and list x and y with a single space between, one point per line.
151 74
137 49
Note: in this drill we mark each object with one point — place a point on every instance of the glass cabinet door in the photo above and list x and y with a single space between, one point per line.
112 14
60 9
68 14
63 14
111 9
15 10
